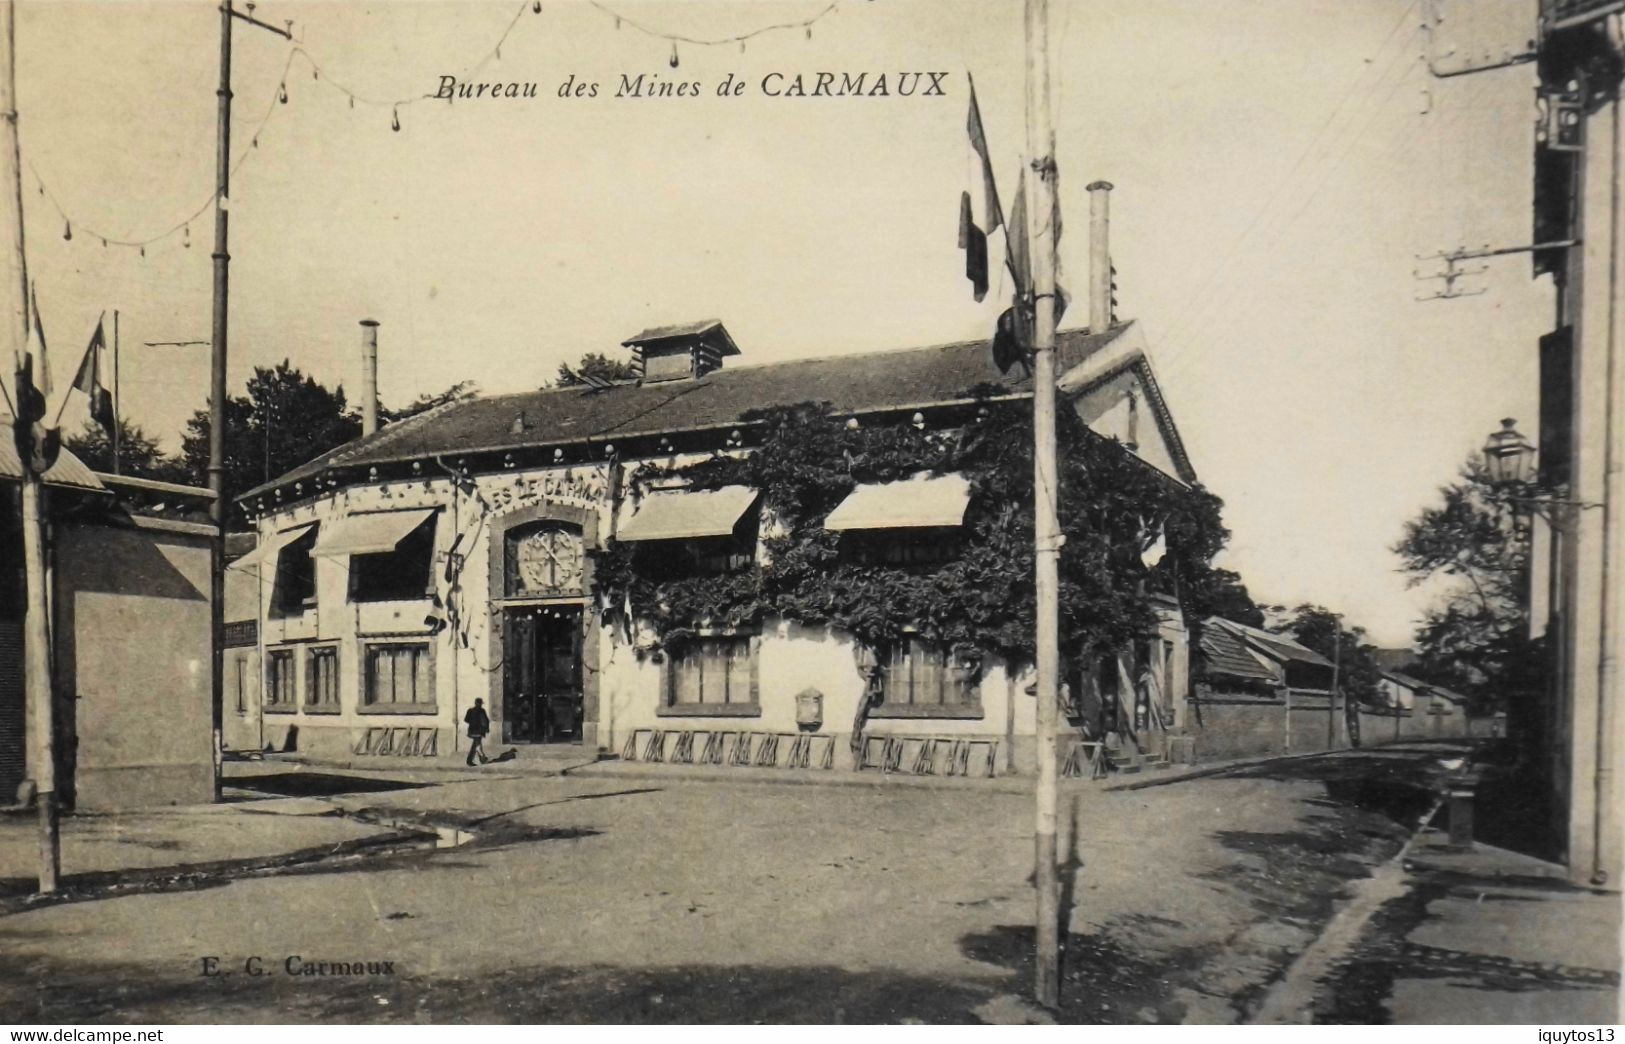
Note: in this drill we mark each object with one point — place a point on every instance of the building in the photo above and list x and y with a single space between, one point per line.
1579 178
1415 710
1257 692
448 558
129 590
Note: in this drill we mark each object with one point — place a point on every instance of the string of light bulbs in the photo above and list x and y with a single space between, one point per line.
320 75
805 24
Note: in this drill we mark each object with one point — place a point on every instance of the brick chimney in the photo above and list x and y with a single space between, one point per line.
686 351
1100 257
369 376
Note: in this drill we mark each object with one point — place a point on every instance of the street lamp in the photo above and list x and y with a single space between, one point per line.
1509 460
1508 456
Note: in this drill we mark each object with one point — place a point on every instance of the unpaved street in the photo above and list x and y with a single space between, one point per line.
657 900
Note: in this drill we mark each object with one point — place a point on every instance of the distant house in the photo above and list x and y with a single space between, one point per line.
1419 709
129 590
1257 692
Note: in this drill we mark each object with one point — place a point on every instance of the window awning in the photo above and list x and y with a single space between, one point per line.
684 514
910 504
370 533
268 549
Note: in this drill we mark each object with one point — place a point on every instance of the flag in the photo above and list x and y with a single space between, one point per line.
37 445
36 347
973 236
89 381
1020 261
973 241
992 214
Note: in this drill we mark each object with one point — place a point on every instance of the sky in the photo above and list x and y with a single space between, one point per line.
1279 165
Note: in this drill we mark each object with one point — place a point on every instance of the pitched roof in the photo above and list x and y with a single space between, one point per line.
667 333
1223 652
1276 646
875 381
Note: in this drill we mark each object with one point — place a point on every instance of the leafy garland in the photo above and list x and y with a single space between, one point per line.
1111 506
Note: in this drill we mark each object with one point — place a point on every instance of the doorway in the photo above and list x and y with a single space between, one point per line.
542 699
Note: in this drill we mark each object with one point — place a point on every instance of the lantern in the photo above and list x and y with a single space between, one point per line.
1508 456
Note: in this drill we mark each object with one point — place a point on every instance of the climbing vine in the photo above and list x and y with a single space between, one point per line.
1111 506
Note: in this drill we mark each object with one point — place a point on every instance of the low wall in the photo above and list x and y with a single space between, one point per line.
1232 724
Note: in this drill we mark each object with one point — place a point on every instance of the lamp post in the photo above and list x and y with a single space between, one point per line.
1509 460
1508 456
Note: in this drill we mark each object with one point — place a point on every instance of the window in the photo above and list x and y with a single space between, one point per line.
920 678
322 680
398 678
406 572
902 547
279 680
712 674
295 587
697 556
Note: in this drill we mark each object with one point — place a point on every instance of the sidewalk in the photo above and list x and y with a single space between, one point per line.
136 848
1448 936
1492 936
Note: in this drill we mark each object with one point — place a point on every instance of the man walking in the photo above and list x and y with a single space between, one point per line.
479 723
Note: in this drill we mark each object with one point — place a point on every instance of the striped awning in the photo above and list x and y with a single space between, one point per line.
268 549
369 533
688 514
919 502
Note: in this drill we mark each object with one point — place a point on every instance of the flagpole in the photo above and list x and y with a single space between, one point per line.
1046 526
117 416
36 636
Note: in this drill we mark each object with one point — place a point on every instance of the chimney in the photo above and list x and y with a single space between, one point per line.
674 353
369 376
1100 257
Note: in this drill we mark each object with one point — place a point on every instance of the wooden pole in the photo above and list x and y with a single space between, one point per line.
118 418
36 632
217 394
1046 527
1331 697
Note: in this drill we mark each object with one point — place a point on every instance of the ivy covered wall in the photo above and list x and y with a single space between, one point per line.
1112 505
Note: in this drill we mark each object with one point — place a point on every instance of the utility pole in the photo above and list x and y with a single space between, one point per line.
36 633
1331 697
218 512
118 418
1046 526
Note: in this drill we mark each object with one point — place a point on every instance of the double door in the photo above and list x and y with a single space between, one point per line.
542 700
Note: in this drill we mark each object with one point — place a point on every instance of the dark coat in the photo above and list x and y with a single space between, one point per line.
479 723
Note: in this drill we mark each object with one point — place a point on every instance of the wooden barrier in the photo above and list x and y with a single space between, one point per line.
925 754
740 748
401 741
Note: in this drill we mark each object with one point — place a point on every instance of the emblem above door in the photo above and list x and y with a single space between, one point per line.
545 559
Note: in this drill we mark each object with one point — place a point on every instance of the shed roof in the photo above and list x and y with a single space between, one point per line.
1223 652
68 471
1275 646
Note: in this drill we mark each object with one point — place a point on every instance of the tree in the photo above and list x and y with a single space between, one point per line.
139 455
598 365
286 419
459 392
1209 591
1476 637
1320 629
